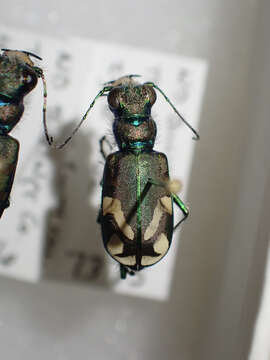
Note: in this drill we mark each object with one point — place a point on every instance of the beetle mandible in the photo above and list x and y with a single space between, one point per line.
136 214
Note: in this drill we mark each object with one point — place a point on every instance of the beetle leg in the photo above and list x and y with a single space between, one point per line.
3 206
99 217
101 146
124 271
7 204
182 207
175 199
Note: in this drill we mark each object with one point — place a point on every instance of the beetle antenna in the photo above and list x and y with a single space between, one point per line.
60 146
44 110
31 54
197 136
25 52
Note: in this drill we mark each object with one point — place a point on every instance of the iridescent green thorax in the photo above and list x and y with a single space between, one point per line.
135 119
138 138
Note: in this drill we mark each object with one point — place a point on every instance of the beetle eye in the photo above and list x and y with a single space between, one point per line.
151 94
28 80
113 98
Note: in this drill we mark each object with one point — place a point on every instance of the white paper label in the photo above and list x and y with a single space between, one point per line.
50 228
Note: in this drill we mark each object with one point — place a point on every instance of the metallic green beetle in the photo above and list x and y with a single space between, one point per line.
18 76
136 214
137 195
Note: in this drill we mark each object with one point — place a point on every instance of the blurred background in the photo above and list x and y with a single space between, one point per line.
218 281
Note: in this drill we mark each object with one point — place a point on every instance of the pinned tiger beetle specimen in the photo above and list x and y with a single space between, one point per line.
18 76
136 214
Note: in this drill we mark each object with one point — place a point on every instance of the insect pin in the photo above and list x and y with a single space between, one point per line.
18 76
136 214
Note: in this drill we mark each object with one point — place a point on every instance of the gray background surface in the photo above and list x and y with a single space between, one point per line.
211 311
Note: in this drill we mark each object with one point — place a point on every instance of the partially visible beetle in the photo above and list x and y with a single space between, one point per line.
18 76
136 213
